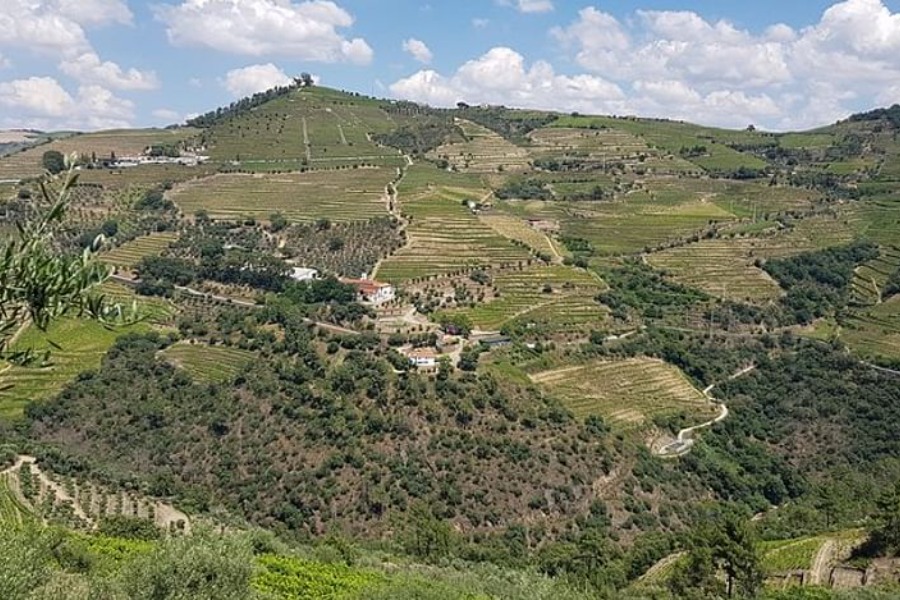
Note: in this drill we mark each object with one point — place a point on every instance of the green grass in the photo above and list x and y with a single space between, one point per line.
626 393
208 363
290 578
344 195
130 253
82 344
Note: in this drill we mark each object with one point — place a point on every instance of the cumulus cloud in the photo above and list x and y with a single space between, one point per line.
529 6
418 50
501 76
303 30
41 102
89 68
684 65
255 78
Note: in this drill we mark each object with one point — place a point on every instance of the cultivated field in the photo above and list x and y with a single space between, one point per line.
626 393
875 331
130 253
130 142
208 363
725 268
81 346
484 152
344 195
445 236
312 127
564 293
869 279
517 229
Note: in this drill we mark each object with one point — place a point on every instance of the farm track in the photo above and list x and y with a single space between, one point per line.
684 441
237 302
824 560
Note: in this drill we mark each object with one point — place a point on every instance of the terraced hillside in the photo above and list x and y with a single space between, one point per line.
344 195
626 393
532 292
30 493
444 236
484 151
130 253
307 128
125 142
208 363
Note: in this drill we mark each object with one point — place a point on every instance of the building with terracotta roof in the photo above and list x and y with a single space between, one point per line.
371 291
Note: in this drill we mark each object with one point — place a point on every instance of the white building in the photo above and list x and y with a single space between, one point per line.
422 358
373 292
304 274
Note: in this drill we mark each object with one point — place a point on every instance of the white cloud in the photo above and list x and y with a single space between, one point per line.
93 12
685 66
41 102
501 76
418 50
529 6
255 78
479 23
88 68
4 62
306 30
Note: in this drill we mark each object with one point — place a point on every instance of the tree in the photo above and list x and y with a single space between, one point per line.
886 538
721 562
54 161
37 283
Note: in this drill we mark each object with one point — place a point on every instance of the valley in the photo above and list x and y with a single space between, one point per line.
551 348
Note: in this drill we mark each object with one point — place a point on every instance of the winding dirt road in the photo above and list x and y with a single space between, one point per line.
684 441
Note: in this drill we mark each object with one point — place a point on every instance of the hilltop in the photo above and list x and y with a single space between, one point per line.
381 320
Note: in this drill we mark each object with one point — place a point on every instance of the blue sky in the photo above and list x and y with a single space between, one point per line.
91 64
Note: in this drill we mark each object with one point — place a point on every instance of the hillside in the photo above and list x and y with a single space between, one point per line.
625 329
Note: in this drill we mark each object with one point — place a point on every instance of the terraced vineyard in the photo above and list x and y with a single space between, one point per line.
445 236
870 278
208 363
484 152
310 127
875 332
566 293
517 229
626 393
12 512
345 195
82 345
673 136
130 142
724 267
130 253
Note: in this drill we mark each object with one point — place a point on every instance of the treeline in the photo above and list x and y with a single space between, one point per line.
513 125
891 115
240 107
421 136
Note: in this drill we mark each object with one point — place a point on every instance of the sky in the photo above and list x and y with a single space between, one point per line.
777 64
